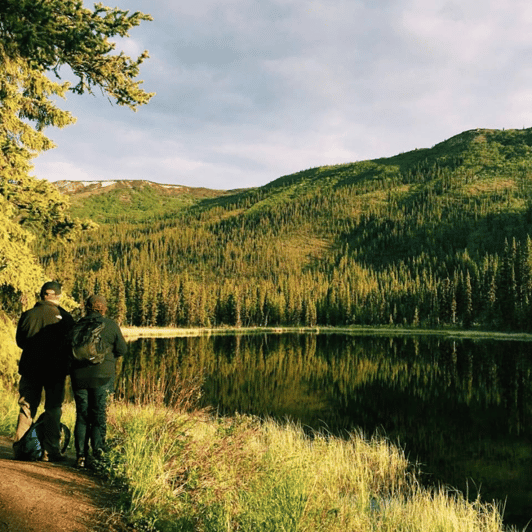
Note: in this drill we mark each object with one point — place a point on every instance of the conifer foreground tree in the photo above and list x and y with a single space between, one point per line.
37 38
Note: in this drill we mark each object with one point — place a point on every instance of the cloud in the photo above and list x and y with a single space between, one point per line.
63 170
250 90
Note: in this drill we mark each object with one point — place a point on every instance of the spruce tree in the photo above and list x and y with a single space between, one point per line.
37 38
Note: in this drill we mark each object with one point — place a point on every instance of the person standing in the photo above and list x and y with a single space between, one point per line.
91 384
42 334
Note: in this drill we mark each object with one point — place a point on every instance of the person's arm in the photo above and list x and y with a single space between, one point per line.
21 336
120 344
68 320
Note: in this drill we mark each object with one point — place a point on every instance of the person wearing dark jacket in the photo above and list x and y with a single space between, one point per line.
91 382
42 334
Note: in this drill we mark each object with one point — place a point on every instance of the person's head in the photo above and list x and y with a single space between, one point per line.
51 291
96 303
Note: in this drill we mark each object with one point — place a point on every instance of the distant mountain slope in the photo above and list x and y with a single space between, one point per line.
472 155
440 235
477 163
132 199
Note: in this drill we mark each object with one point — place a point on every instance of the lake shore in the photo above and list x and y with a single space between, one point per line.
203 472
134 333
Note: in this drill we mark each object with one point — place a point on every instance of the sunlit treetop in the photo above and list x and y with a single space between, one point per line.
50 33
37 39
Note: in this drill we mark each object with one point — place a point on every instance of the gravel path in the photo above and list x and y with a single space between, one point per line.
46 497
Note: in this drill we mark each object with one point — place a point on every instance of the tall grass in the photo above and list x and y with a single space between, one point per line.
9 351
185 472
8 410
180 470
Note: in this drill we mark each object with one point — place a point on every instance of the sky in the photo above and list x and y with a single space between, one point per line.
248 91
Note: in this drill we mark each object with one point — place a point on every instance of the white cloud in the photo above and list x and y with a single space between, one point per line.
519 107
250 90
63 170
129 46
477 34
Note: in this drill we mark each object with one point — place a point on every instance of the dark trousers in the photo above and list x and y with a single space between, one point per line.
30 390
91 420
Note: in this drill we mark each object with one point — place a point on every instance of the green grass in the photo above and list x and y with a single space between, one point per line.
212 474
185 470
8 411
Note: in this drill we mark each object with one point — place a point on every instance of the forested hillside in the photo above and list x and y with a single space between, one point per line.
431 237
113 201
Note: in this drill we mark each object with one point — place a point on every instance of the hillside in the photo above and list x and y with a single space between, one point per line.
433 236
110 201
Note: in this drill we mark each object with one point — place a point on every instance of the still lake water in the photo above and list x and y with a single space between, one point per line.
461 408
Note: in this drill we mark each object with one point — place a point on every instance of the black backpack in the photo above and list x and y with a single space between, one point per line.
30 446
87 343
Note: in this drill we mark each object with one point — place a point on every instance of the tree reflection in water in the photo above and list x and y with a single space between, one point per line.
462 408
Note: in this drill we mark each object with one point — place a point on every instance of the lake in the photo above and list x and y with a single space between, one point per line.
461 408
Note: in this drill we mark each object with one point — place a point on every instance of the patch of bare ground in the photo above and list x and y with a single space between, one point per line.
47 497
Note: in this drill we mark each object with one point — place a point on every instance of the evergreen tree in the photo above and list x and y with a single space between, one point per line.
121 307
37 39
468 302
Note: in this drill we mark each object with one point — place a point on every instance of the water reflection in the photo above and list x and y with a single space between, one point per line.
462 408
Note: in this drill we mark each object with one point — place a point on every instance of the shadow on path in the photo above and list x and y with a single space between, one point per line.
47 497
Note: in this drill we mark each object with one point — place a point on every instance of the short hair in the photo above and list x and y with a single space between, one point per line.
50 286
96 303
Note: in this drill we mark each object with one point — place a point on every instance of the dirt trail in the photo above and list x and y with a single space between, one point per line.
46 497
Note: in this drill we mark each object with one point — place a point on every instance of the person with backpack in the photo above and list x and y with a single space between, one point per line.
42 334
96 344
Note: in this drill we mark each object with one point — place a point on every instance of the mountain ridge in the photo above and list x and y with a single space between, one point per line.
88 187
435 236
112 200
476 154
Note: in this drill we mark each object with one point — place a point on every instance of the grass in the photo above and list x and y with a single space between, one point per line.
213 474
183 469
8 411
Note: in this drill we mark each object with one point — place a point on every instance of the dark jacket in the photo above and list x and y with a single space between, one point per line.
84 375
42 334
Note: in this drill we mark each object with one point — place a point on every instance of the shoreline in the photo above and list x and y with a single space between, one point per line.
134 333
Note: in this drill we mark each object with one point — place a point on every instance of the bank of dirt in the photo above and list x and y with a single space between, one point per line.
47 497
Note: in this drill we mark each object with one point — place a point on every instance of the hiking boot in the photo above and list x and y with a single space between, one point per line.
49 457
80 462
